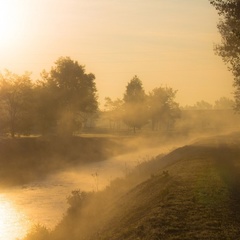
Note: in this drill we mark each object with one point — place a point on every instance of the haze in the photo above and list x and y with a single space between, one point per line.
130 133
165 43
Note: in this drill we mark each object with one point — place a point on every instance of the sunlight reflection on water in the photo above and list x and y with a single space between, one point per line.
13 222
44 202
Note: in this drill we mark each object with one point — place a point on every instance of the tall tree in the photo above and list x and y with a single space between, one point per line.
163 109
229 49
46 106
72 93
16 101
135 104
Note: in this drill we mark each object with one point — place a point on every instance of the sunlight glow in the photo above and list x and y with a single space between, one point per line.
13 224
11 22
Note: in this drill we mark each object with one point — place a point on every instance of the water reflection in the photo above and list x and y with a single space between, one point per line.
44 202
13 222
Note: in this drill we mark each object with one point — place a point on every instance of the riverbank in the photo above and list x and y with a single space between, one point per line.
23 160
191 193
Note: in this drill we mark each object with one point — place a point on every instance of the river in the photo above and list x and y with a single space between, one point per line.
44 202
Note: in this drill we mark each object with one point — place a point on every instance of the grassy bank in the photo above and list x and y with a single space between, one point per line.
191 193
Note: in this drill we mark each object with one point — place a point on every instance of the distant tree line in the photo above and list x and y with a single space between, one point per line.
137 108
64 98
223 103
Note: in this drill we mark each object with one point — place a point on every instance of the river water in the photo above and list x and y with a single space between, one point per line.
44 202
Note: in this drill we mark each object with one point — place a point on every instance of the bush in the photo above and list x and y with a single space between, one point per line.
38 232
76 200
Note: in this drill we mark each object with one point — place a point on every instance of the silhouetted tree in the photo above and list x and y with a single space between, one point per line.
135 109
202 105
224 103
229 49
70 92
16 100
46 106
162 107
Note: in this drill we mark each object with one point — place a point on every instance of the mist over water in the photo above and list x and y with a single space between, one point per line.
44 202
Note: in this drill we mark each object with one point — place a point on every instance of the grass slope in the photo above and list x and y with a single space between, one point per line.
191 193
199 198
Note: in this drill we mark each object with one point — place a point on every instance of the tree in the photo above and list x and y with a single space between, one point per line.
229 49
114 111
162 107
203 105
224 103
46 106
200 105
135 104
16 100
71 94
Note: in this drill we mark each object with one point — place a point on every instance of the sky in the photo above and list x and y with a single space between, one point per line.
166 43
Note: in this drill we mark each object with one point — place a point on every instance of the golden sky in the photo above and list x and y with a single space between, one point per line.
163 42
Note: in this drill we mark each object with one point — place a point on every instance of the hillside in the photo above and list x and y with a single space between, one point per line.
198 198
191 193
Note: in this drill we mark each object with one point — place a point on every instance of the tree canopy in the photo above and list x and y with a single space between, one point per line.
224 103
163 109
76 89
64 100
70 92
229 49
158 107
16 102
135 104
134 91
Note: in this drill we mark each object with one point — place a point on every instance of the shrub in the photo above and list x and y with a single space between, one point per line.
38 232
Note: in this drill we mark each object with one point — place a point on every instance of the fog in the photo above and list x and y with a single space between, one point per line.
42 199
72 167
38 174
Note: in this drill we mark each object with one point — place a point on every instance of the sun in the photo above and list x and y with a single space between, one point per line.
11 22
